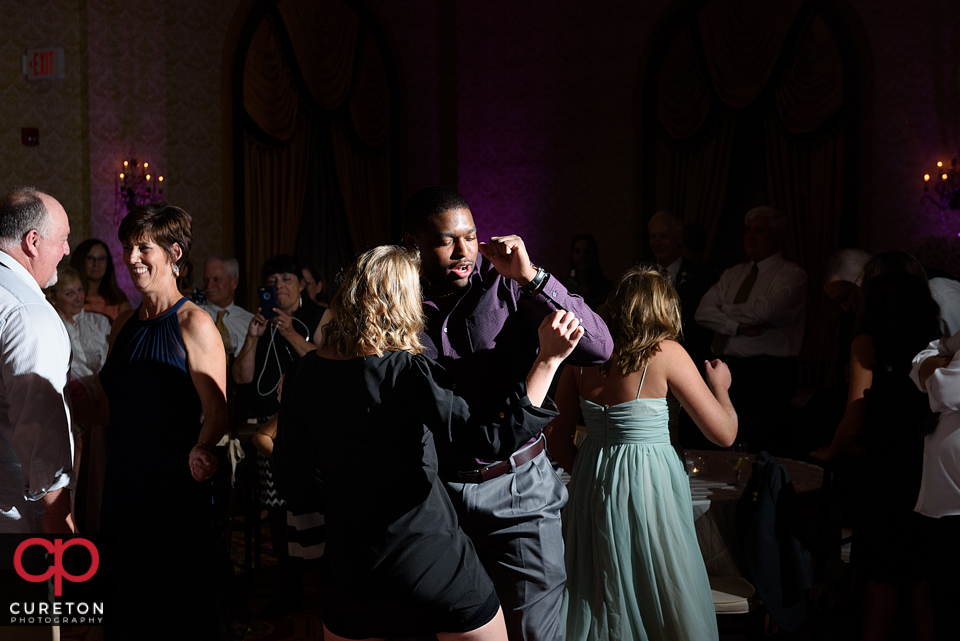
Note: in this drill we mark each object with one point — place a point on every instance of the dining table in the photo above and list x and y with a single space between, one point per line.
715 490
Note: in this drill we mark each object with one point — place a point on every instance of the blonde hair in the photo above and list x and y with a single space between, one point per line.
378 306
642 312
65 274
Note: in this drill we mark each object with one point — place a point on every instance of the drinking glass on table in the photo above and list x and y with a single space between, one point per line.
737 459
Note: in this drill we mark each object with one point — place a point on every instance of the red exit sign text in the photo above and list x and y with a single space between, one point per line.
43 64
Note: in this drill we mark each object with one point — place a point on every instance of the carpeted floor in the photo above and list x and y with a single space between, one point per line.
259 587
834 621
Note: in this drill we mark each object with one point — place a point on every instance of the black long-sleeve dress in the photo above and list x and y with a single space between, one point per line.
397 562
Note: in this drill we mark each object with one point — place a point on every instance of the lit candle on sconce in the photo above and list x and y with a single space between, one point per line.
136 186
942 186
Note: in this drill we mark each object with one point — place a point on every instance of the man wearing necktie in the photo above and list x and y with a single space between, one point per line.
221 276
757 311
689 278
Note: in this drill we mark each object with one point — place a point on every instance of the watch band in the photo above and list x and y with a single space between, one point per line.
535 283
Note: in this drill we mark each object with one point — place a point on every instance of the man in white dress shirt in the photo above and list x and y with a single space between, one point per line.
221 276
936 371
36 447
757 311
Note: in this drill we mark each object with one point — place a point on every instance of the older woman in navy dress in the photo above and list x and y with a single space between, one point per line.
165 379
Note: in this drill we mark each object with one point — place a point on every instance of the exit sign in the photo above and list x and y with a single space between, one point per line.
43 64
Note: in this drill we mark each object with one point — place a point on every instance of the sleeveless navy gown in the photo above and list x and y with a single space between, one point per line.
159 516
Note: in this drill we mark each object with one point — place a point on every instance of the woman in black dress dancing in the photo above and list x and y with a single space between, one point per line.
365 411
165 379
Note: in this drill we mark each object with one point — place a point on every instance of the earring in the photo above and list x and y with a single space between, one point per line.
176 270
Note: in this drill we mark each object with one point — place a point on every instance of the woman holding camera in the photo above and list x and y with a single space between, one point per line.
276 337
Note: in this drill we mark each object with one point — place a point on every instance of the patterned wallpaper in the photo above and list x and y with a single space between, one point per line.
545 110
915 117
411 27
57 165
142 80
546 123
546 103
154 80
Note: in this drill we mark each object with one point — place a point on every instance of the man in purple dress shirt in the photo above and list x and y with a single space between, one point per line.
482 313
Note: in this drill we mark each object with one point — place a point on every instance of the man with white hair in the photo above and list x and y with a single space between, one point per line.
36 447
757 310
221 276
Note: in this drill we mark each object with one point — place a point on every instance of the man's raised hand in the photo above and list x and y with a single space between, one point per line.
509 256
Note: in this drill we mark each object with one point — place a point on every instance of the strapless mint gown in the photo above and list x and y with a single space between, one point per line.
634 568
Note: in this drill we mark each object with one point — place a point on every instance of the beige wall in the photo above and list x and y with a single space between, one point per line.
154 94
144 79
58 164
563 85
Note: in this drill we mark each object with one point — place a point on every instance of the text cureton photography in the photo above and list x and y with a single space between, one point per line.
54 580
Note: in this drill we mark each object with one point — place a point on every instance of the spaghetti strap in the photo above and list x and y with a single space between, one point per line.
580 386
642 377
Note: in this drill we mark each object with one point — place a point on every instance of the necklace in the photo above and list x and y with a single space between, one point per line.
447 295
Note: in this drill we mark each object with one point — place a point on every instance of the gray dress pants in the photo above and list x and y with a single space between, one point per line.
514 523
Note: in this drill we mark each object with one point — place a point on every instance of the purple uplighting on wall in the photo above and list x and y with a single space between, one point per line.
505 135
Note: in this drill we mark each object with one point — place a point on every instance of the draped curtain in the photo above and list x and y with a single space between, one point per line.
693 158
775 60
312 65
763 83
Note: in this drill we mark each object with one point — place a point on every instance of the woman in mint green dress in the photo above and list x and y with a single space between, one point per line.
634 569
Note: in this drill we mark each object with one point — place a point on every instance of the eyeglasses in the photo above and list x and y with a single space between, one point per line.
96 259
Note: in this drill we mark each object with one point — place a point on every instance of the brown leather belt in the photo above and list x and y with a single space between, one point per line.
499 469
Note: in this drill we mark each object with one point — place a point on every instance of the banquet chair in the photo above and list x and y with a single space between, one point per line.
732 595
830 538
777 559
245 496
740 612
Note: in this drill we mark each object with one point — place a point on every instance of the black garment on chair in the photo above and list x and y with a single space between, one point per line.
776 558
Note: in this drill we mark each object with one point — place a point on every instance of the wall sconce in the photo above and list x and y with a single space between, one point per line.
135 185
946 186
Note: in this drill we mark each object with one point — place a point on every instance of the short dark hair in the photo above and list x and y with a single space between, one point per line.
165 224
427 203
281 264
20 211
